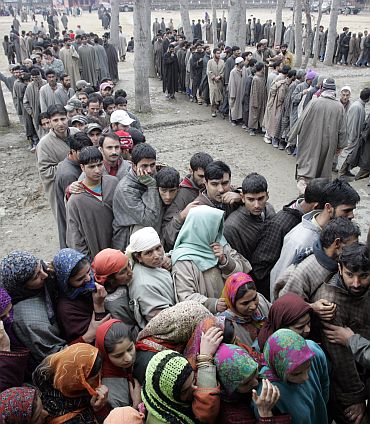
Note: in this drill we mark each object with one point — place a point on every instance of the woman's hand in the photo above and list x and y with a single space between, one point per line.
98 298
218 251
267 399
90 334
210 341
135 393
336 334
101 398
221 305
167 263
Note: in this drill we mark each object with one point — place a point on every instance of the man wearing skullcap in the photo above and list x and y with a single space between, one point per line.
318 141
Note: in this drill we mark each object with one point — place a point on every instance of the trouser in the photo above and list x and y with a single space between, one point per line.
224 109
215 106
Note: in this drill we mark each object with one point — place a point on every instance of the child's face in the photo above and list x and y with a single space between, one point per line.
168 194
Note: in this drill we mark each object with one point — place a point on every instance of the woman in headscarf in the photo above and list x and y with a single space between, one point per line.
172 394
237 372
112 269
299 369
289 311
29 283
117 347
246 308
193 346
69 384
80 307
125 415
21 405
151 289
170 329
13 357
202 259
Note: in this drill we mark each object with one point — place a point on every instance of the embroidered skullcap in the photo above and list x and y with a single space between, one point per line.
238 60
16 405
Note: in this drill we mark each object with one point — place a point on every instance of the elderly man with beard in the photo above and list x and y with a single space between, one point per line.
349 290
51 150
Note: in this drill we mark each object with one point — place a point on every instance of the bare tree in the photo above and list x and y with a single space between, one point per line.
298 33
114 30
279 21
214 23
316 40
142 58
233 24
4 118
309 32
242 26
332 33
184 13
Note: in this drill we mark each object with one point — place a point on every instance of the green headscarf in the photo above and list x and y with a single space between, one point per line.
203 226
165 375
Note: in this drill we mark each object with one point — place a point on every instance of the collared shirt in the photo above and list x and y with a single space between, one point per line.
112 170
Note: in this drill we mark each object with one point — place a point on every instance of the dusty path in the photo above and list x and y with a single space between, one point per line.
177 130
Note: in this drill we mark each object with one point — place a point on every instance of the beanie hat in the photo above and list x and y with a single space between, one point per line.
329 84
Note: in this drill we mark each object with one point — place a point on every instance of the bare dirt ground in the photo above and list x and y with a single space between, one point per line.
176 129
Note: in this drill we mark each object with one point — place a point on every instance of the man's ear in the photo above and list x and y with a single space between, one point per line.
82 168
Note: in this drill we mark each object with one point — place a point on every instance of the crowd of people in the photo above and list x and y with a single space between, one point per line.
186 300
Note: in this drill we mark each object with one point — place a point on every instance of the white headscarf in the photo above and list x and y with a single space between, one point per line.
144 239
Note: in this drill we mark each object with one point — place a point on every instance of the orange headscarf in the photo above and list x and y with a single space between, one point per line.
107 262
125 415
71 367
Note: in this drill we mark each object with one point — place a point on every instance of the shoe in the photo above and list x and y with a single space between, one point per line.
252 132
275 143
244 127
214 115
290 150
362 173
267 140
346 174
233 123
282 145
33 149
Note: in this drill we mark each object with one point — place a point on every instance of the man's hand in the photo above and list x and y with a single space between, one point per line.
184 213
145 179
268 398
356 412
218 251
231 197
210 341
337 334
324 309
221 305
76 187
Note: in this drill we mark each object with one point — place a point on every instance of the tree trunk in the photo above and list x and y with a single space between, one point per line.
298 33
242 26
4 118
279 21
114 30
185 20
152 73
233 25
316 41
332 33
214 24
142 58
308 44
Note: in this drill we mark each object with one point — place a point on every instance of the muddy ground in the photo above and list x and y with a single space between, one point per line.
176 129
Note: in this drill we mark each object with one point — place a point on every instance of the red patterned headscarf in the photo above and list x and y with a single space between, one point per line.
16 405
232 285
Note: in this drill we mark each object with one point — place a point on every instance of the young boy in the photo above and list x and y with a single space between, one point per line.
89 214
168 183
243 226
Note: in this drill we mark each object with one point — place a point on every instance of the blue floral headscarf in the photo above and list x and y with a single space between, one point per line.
64 262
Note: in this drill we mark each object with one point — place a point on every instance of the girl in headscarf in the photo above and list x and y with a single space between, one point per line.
289 311
246 308
172 394
13 357
151 289
112 269
125 415
117 347
237 372
21 405
299 369
202 259
170 329
81 301
30 285
69 383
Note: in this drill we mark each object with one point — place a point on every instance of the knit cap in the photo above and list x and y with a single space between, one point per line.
329 84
